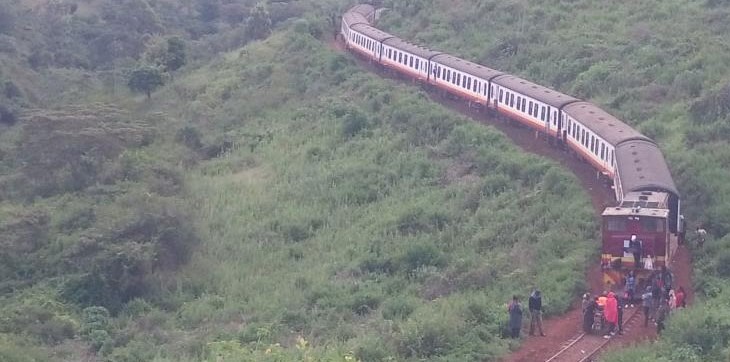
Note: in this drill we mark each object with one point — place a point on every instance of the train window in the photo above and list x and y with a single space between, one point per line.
611 157
530 107
519 101
410 61
477 86
652 224
535 111
512 100
458 79
583 136
468 82
524 104
418 64
501 94
603 151
400 57
448 75
616 223
594 147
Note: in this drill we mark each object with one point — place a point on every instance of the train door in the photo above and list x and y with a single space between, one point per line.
559 130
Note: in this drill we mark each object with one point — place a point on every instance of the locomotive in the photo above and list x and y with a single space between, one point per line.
647 200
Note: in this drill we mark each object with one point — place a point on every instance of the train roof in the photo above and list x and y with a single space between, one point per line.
641 167
358 14
405 46
534 91
610 128
353 18
624 211
371 32
365 10
466 66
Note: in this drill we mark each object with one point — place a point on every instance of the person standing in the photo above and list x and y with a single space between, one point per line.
661 316
681 298
589 313
515 317
635 249
701 236
535 305
610 312
672 300
620 312
630 288
666 277
646 302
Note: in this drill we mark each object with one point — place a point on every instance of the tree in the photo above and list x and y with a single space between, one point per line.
166 54
175 56
145 79
259 22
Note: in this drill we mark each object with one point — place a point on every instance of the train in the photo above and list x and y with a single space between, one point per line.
647 201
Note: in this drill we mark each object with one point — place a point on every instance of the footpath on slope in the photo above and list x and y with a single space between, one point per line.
558 329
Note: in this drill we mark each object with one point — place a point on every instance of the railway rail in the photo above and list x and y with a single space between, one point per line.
586 347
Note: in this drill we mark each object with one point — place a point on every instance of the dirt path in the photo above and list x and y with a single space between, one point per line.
562 328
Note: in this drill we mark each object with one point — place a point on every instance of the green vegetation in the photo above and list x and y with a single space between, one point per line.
659 65
273 201
270 200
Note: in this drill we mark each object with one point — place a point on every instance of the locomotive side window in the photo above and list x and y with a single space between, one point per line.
616 223
542 113
652 224
524 104
512 100
519 101
603 150
418 65
501 93
530 108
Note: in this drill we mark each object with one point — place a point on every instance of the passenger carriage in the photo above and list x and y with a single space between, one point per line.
648 202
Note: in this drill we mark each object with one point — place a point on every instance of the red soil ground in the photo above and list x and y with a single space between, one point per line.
558 329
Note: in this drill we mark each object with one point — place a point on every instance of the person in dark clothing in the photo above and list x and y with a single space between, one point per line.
630 288
635 249
515 317
661 316
646 303
666 277
535 305
620 308
588 315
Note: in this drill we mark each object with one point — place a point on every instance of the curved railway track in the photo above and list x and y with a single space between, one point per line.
565 341
573 347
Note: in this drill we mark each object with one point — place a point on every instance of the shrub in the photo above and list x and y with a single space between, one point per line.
398 308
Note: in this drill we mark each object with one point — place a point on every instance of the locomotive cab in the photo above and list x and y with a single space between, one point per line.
645 214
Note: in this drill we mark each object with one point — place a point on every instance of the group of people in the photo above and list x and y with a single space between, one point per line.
657 301
660 298
608 306
515 314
